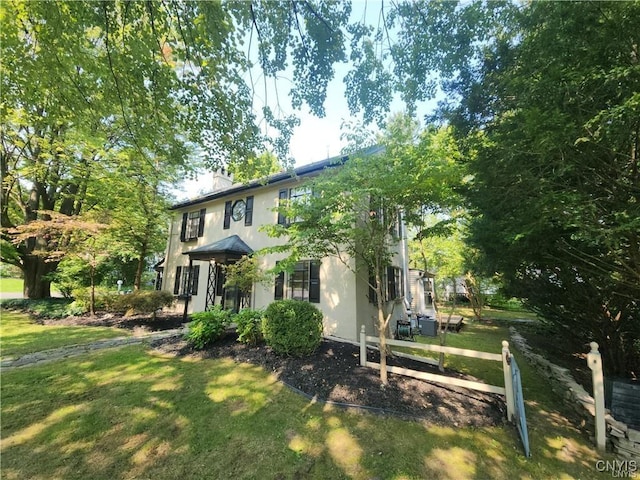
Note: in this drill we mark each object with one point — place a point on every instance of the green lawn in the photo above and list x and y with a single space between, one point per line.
11 285
498 314
14 285
131 413
488 338
20 335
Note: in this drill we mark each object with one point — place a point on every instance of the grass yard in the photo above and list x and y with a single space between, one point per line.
133 413
14 285
492 313
11 285
20 335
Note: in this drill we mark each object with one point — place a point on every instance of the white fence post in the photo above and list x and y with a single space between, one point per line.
363 347
594 360
508 381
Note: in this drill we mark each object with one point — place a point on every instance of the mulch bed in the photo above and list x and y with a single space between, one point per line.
333 374
162 321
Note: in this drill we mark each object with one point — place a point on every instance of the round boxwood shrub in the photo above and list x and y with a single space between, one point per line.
292 327
249 326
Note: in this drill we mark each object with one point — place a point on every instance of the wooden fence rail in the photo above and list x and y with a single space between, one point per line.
507 390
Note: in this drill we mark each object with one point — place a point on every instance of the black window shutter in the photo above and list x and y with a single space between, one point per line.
314 282
279 287
248 213
195 274
282 196
227 215
203 212
183 228
176 287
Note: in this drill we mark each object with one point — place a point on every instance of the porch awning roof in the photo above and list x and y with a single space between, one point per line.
232 247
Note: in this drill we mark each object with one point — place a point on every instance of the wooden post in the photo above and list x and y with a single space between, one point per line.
363 347
508 381
594 361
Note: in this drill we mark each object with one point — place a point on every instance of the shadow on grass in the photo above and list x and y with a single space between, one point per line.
130 414
20 335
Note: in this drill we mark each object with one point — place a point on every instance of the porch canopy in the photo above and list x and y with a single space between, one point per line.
230 248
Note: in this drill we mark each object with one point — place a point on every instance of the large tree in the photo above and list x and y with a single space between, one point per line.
545 97
83 82
352 212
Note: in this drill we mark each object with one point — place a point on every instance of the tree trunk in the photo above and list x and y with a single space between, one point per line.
475 295
382 333
137 281
382 329
35 270
443 331
92 302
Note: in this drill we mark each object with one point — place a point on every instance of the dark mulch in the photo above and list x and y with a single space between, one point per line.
162 321
333 373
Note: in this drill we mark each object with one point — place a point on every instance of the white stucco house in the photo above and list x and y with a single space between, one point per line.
220 227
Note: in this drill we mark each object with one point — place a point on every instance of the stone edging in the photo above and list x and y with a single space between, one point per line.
624 441
45 356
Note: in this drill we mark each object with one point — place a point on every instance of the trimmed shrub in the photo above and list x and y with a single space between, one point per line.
292 327
249 326
207 327
141 301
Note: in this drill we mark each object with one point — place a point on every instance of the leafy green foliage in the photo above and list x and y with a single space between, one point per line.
103 104
249 326
104 299
141 301
9 271
292 327
543 97
244 274
257 167
553 130
208 326
50 308
355 208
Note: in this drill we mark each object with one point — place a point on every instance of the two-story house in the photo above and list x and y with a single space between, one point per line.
218 228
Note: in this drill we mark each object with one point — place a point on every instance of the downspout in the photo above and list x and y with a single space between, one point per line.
405 259
167 256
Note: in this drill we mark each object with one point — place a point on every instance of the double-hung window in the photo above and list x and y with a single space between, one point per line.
303 283
192 225
292 196
392 285
186 281
395 284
